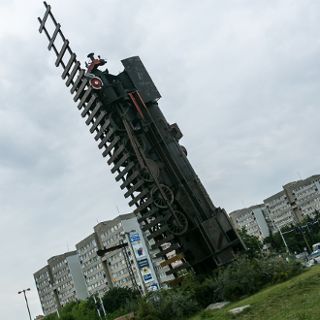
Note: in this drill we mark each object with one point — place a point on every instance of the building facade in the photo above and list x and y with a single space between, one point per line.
304 197
78 274
43 279
95 272
130 266
298 200
279 212
252 219
60 282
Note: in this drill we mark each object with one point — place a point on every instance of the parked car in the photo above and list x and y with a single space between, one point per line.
313 258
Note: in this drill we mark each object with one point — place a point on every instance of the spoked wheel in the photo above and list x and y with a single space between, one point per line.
162 199
178 224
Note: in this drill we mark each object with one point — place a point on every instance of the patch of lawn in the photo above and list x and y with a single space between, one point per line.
295 299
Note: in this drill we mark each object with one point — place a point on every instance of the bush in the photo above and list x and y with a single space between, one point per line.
279 268
120 298
203 291
167 304
246 276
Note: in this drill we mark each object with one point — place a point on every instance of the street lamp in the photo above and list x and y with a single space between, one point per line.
25 298
122 245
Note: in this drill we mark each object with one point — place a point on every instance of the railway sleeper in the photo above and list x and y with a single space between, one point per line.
84 101
134 188
87 105
128 167
80 90
183 266
129 179
116 154
149 214
120 162
93 113
105 139
66 70
72 74
97 121
110 146
157 219
163 253
135 200
102 129
143 206
168 238
157 233
75 85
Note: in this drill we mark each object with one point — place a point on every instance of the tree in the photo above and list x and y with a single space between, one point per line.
119 298
252 243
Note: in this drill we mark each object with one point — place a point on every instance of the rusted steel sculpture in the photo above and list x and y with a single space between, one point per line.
144 153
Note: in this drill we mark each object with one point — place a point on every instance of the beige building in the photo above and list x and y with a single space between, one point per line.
60 282
279 211
304 196
82 273
252 219
131 266
43 279
297 200
94 270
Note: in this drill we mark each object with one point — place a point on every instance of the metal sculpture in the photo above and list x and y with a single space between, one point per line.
173 208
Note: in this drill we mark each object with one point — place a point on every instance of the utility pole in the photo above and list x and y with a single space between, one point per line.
281 234
25 298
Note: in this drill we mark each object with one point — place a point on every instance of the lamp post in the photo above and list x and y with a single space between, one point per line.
122 245
25 298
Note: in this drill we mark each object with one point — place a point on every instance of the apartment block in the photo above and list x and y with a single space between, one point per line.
95 272
60 282
130 266
279 211
44 281
82 273
304 196
297 200
252 219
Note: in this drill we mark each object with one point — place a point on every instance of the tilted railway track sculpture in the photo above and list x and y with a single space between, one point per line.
143 150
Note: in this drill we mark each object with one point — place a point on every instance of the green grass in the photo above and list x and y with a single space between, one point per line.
295 299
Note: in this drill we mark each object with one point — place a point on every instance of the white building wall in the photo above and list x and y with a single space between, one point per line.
77 277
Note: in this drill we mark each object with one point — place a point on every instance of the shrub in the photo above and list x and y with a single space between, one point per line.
167 304
279 268
239 279
120 298
246 276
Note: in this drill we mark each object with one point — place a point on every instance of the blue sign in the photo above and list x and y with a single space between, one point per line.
143 263
147 277
134 237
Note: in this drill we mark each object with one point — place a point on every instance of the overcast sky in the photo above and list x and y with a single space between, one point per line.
241 79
